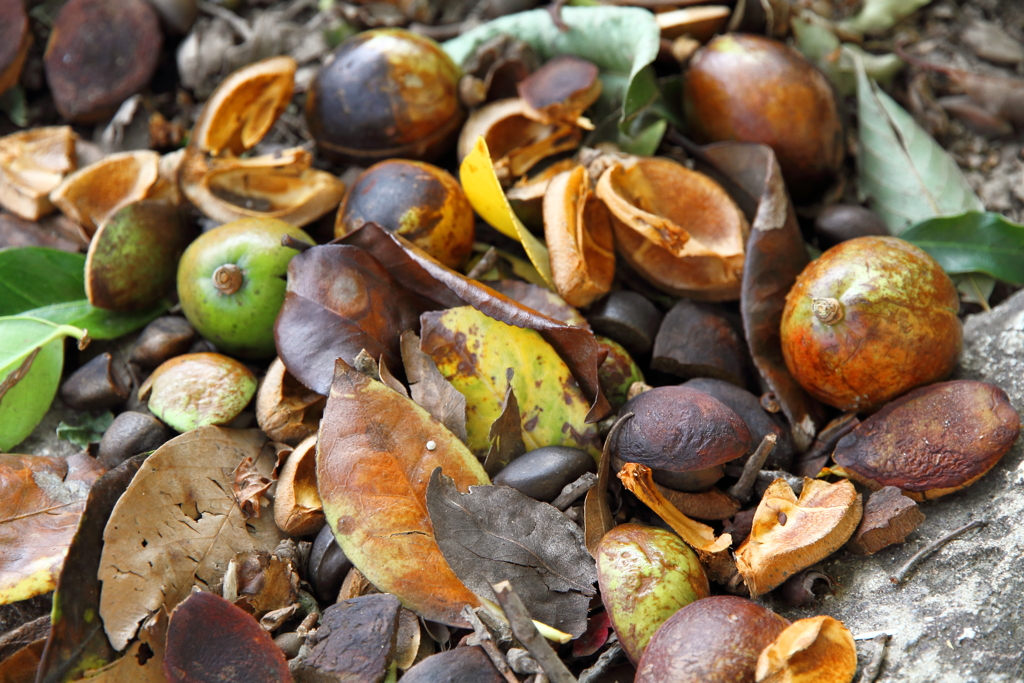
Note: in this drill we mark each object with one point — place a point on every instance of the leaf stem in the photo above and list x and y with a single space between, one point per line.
931 548
525 631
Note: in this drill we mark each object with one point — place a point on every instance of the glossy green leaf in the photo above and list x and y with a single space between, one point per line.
475 353
906 175
33 277
100 323
628 44
973 242
31 359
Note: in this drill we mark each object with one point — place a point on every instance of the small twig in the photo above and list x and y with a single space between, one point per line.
870 671
603 663
296 244
486 263
482 637
931 548
527 634
574 490
742 489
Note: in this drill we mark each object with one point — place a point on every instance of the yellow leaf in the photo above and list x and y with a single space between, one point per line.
481 185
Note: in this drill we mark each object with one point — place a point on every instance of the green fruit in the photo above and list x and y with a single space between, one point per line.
231 283
198 389
646 575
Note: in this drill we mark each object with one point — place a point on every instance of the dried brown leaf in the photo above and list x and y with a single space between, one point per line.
249 485
430 389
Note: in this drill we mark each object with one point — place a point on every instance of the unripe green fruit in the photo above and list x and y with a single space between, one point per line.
231 282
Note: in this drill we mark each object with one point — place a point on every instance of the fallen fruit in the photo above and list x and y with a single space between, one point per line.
385 93
231 282
754 89
871 319
646 575
198 389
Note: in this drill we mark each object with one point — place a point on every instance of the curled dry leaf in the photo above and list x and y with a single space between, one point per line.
297 507
375 452
699 23
266 583
816 650
933 441
713 552
340 301
542 300
561 90
91 195
495 533
287 411
790 534
578 231
32 164
446 288
677 227
177 526
209 640
888 517
249 485
474 352
515 142
775 255
430 389
43 499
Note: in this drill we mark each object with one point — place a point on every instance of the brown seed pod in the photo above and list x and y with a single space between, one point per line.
285 409
561 90
888 517
297 507
32 164
816 650
695 341
933 441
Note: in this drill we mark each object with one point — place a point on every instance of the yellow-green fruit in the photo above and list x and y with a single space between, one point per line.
646 575
231 282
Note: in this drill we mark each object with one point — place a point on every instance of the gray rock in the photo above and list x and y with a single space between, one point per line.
957 618
43 439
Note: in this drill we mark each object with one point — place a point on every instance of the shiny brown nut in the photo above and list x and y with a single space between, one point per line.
164 338
100 53
419 201
628 318
385 93
696 341
327 566
840 222
130 434
100 384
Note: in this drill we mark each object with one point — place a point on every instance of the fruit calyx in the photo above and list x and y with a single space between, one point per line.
228 279
827 310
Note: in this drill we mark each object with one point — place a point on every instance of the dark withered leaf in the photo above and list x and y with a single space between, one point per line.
506 434
775 256
542 300
495 533
339 301
355 641
420 273
430 389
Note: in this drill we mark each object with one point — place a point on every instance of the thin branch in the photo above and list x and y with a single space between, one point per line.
931 548
742 489
527 634
574 490
482 637
873 667
486 263
603 663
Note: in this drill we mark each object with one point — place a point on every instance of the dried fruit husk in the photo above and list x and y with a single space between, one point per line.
286 410
700 23
281 185
889 516
297 507
790 534
933 441
676 227
816 650
526 197
516 142
561 90
578 231
32 164
91 195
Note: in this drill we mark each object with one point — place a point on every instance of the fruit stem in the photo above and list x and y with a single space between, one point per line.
228 279
828 310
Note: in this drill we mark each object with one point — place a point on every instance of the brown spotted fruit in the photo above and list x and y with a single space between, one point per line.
871 319
748 88
385 93
933 441
646 575
419 201
714 640
198 389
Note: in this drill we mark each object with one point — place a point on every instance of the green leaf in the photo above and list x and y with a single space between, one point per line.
878 16
973 242
903 171
89 429
818 42
31 359
32 277
101 323
619 40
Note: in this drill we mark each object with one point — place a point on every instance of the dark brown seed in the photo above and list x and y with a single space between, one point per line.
15 39
840 222
101 52
129 434
98 385
542 473
161 340
694 341
327 566
628 318
460 665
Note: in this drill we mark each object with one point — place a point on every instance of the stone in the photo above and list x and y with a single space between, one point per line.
957 617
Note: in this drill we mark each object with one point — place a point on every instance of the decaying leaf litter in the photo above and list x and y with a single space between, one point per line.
377 465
